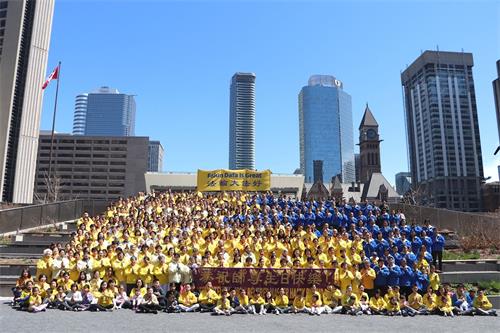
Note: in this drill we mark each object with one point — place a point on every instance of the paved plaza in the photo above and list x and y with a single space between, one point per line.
127 321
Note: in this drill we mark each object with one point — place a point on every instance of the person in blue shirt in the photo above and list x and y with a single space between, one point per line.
382 275
416 243
462 302
406 279
394 272
437 249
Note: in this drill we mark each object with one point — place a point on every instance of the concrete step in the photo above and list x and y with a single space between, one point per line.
43 238
469 277
16 269
471 267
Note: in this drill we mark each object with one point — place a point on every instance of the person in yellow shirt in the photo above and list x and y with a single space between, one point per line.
331 296
429 301
257 303
377 304
145 271
131 273
188 302
345 277
368 276
282 302
482 305
299 303
310 293
434 279
139 285
443 303
244 301
35 301
208 298
316 307
44 264
415 300
392 307
223 306
118 266
105 297
350 303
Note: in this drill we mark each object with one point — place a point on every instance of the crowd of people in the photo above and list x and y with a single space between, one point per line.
141 252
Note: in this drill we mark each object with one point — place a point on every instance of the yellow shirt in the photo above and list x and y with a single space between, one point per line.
35 300
434 281
187 298
282 301
143 292
367 277
444 303
415 300
244 301
429 301
482 302
345 278
119 269
208 297
392 307
331 296
299 302
345 300
309 296
258 300
377 303
106 298
44 266
223 305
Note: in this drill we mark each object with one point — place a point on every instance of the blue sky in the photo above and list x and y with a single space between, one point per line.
178 58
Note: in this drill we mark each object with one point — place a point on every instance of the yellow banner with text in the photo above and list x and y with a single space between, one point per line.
233 180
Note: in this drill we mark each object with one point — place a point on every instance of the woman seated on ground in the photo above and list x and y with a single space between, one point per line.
257 303
188 302
208 298
223 306
282 302
392 307
245 306
105 297
443 303
299 303
406 309
121 299
150 303
270 303
316 307
350 303
43 286
377 303
73 298
24 293
482 305
139 285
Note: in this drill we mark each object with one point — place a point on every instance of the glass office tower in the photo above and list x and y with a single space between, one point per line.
325 129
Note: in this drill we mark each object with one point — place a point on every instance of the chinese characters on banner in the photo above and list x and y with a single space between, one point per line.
263 277
233 180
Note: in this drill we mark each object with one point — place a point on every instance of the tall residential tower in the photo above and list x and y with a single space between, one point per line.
442 130
25 29
242 122
325 129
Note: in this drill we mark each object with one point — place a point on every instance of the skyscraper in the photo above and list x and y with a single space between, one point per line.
403 182
242 122
25 29
104 112
496 91
442 130
80 114
155 156
325 129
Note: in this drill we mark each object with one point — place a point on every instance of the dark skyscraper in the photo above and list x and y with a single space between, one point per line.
442 130
496 91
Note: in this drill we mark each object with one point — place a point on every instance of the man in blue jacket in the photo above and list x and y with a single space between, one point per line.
382 275
462 302
437 249
394 272
406 278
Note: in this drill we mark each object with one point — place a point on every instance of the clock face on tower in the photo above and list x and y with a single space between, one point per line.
371 134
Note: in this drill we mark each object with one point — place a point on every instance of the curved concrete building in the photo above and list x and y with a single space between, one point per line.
80 114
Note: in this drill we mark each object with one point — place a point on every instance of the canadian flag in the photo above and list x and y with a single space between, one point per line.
53 76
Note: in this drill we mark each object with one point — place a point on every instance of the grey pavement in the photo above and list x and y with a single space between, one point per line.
127 321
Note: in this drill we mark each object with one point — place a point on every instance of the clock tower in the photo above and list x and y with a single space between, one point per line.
369 146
